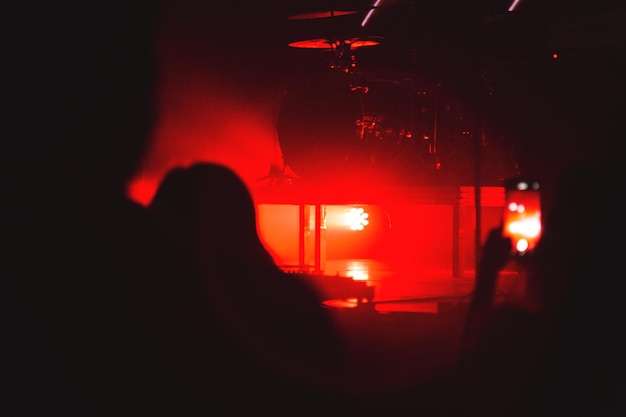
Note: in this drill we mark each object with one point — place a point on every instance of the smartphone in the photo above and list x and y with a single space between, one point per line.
522 214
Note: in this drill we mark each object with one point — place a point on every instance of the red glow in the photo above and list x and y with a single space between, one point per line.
414 236
410 229
361 43
323 43
141 190
278 227
206 113
311 44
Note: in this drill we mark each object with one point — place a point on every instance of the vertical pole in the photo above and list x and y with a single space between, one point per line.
318 238
302 221
435 115
477 204
456 239
477 134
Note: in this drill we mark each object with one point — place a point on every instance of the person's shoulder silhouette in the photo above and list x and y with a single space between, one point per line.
273 319
537 361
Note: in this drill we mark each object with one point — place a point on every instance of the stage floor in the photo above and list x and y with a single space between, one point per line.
412 330
405 289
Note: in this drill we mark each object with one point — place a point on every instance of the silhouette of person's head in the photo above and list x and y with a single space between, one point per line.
214 210
274 327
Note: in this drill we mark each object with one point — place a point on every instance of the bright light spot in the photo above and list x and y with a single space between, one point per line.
360 275
357 218
521 245
516 208
350 303
514 5
555 55
357 270
369 13
530 227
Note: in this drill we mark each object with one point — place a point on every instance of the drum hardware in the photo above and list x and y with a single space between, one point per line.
342 57
278 176
330 124
341 47
336 44
322 15
379 112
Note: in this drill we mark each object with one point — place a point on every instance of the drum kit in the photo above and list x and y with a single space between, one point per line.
339 42
343 119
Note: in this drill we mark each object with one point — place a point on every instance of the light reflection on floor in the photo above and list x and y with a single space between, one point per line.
403 339
401 289
413 331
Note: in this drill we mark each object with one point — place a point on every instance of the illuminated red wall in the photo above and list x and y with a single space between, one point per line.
219 93
401 235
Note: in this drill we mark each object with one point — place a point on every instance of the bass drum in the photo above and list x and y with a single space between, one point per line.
319 125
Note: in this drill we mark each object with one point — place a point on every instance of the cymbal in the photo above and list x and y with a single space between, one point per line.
321 15
353 43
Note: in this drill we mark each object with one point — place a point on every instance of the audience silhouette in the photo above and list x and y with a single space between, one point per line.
83 325
271 334
109 309
558 352
95 319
